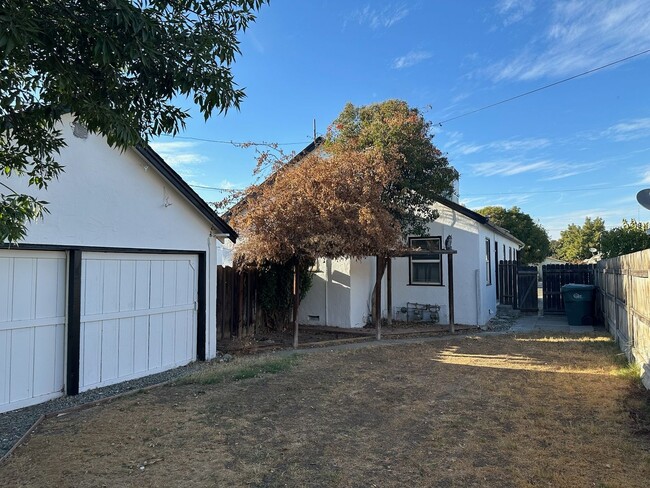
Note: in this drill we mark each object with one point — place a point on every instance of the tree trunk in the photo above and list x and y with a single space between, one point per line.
389 290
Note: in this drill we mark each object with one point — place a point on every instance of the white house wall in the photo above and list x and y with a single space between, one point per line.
328 301
312 307
475 300
110 198
362 282
488 301
464 231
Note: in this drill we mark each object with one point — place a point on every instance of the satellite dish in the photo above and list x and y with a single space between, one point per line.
643 197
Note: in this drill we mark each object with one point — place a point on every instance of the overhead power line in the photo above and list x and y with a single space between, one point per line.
215 188
531 192
501 102
238 143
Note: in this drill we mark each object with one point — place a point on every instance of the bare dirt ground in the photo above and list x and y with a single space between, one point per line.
497 411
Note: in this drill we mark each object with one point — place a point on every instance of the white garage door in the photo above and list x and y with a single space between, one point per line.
32 327
138 315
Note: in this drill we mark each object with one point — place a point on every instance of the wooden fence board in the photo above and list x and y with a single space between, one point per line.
554 276
507 283
623 304
236 303
527 289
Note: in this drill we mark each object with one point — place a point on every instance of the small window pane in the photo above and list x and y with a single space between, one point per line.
426 245
425 273
426 268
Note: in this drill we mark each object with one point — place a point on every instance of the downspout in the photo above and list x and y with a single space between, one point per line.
328 268
477 279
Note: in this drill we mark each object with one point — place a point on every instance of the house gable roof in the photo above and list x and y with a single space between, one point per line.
192 197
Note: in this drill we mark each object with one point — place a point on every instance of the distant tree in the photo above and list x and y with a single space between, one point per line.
121 67
554 249
402 134
629 237
574 242
537 245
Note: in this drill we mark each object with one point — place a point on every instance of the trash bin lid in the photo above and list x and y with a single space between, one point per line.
577 287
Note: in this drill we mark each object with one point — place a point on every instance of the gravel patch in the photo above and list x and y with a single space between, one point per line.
504 320
14 424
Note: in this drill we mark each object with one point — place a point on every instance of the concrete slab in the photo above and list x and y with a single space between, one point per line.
548 323
581 329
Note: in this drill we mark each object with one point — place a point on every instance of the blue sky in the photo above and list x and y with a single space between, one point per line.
578 149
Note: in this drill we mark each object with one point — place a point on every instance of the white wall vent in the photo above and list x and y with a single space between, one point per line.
79 130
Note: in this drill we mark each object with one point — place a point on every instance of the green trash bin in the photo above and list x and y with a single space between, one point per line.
579 303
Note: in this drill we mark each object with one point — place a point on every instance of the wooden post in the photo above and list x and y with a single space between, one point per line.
376 313
296 302
450 278
389 290
240 303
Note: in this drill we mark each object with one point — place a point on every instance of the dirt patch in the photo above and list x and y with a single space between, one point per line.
473 411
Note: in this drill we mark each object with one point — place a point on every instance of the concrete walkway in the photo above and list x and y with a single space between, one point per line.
547 323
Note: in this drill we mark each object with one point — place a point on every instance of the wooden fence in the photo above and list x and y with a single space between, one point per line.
237 310
527 289
623 304
554 276
507 282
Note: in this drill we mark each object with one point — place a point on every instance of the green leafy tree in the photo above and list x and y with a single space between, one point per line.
576 240
630 237
404 137
374 179
276 291
537 245
119 66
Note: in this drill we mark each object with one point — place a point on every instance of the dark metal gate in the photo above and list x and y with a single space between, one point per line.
554 276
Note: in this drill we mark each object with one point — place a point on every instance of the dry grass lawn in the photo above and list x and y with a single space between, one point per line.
495 411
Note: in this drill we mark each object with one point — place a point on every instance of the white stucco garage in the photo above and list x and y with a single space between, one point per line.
117 282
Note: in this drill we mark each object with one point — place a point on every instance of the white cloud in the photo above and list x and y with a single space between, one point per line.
513 11
507 145
629 130
645 177
182 156
508 168
550 170
505 201
411 59
581 34
377 18
179 153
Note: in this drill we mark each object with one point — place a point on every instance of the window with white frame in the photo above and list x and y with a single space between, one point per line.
425 268
488 261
